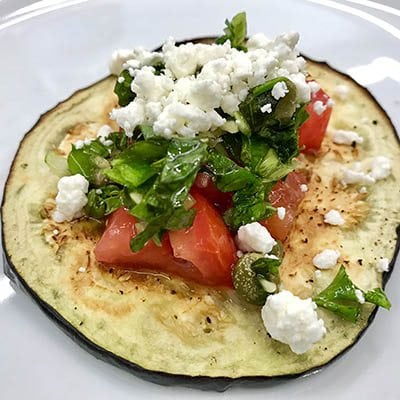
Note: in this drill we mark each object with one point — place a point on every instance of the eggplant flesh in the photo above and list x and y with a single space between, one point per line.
170 331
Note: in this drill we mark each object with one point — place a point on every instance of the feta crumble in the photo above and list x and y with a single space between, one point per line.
198 79
363 189
380 167
279 90
281 212
314 87
333 217
383 265
318 274
304 187
82 269
341 91
103 133
255 237
341 136
360 296
326 259
71 198
79 144
319 107
367 172
293 321
266 108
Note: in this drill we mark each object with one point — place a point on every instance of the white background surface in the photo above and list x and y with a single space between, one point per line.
46 58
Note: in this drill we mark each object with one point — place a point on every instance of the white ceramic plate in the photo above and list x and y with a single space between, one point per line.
49 51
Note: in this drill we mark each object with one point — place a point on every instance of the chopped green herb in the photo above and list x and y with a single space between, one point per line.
340 297
123 90
235 32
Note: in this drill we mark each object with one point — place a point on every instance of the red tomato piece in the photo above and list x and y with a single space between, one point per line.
113 249
313 130
207 244
205 186
285 194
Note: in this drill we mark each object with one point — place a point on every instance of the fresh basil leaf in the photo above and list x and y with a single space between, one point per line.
377 297
147 131
89 161
235 32
180 219
278 128
230 176
144 150
184 157
104 201
250 204
140 240
162 205
123 89
130 175
263 160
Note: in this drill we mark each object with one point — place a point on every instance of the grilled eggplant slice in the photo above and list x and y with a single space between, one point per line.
175 332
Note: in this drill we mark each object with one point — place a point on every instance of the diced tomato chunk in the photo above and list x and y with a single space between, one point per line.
207 244
113 249
313 130
205 186
285 194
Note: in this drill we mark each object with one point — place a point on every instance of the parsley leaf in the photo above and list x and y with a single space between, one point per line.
89 161
279 128
235 32
340 297
123 89
104 201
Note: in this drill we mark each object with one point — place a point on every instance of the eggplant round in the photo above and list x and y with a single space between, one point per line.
173 332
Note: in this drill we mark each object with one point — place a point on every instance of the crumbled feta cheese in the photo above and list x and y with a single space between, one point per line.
318 274
326 259
314 87
103 133
333 217
330 103
383 265
341 91
293 321
79 144
266 108
98 191
255 237
82 269
118 58
341 136
183 101
56 232
71 197
360 296
239 253
281 212
319 107
279 90
351 176
132 59
381 167
304 187
363 189
368 172
121 79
